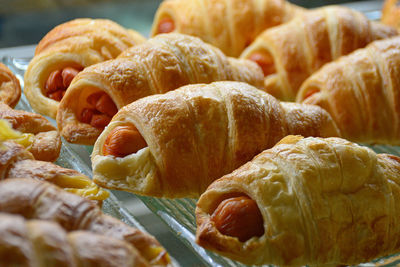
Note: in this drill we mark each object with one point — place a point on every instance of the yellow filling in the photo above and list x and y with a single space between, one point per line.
8 133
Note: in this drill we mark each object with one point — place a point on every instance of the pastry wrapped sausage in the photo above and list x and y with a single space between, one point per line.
65 51
307 201
361 92
32 130
34 199
39 243
10 89
229 25
161 64
290 53
175 144
17 162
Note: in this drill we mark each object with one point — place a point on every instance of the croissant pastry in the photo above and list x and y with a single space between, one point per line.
40 137
229 25
290 53
306 201
65 51
16 161
361 92
10 89
391 13
175 144
35 199
161 64
43 243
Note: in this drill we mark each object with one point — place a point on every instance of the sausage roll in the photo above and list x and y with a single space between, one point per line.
230 25
161 64
290 53
34 199
175 144
16 161
65 51
306 201
44 243
31 130
10 89
361 91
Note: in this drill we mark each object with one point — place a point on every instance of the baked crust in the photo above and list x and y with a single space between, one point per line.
323 202
10 89
198 133
303 45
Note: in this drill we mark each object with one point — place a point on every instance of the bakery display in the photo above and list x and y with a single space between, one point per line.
391 13
175 144
31 130
65 51
291 52
306 201
17 162
161 64
10 89
361 92
35 199
229 25
44 243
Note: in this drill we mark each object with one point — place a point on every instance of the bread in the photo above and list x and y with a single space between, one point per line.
32 130
361 92
161 64
391 13
175 144
10 89
320 202
291 52
17 162
39 243
229 25
34 199
65 51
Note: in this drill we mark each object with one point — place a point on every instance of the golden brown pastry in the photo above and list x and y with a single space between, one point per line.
161 64
34 199
32 130
17 162
361 92
175 144
10 89
40 243
306 201
391 13
229 25
290 53
65 51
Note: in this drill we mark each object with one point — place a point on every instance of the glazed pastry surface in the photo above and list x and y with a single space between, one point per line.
75 44
229 25
34 199
161 64
323 202
10 89
361 92
40 243
198 133
291 52
391 13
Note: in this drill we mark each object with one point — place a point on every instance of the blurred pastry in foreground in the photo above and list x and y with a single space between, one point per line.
291 52
305 202
175 144
161 64
45 243
230 25
35 199
391 13
10 89
65 51
17 162
361 91
31 130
